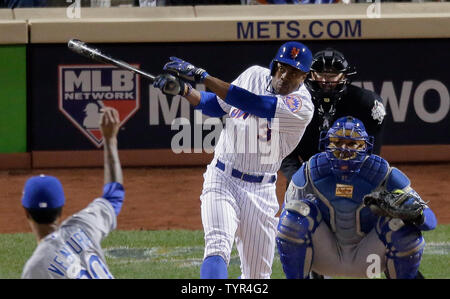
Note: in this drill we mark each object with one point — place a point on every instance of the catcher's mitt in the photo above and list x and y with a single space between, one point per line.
396 204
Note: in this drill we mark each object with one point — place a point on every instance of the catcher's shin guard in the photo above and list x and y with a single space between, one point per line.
298 221
404 244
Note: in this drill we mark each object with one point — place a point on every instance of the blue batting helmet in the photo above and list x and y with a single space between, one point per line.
294 54
346 144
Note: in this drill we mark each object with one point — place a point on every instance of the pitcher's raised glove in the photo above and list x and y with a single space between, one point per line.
397 204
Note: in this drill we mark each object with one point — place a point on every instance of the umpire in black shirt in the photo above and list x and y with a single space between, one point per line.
333 97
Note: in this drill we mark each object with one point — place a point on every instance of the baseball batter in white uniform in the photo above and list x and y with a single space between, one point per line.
72 249
268 111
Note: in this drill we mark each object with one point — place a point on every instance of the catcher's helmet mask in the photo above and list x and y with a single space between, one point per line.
346 144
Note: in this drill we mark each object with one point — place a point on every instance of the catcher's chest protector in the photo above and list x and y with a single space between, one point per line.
341 202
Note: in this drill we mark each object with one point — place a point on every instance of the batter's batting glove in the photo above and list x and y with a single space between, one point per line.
185 70
169 84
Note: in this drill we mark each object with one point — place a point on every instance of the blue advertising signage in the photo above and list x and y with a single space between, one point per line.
66 91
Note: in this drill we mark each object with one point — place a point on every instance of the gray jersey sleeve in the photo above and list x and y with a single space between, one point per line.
98 219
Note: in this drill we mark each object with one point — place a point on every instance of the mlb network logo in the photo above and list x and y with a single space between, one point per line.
85 89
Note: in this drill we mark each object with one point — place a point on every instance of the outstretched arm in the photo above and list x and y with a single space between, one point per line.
109 126
113 190
188 71
262 106
207 102
217 86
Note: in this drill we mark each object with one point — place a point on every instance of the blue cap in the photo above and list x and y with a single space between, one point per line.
43 192
294 54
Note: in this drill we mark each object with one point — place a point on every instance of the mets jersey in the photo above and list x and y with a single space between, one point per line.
73 250
255 144
239 201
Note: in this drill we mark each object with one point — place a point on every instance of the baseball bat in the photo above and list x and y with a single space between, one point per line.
90 52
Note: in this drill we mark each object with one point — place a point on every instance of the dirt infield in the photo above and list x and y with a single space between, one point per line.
168 198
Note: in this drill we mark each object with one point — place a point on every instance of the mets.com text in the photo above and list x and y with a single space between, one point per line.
333 29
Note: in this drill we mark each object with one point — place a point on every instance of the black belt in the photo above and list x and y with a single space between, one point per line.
245 176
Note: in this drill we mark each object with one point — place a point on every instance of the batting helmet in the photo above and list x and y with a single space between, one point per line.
332 61
346 145
294 54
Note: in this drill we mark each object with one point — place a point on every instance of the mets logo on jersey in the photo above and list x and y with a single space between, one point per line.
85 89
293 102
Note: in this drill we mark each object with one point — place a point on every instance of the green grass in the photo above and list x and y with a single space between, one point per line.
437 265
177 254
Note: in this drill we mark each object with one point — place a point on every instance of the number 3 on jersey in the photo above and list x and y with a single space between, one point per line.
263 126
267 132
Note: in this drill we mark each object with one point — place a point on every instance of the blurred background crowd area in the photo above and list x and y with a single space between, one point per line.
150 3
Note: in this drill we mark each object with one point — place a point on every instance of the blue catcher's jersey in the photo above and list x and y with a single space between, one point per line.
340 200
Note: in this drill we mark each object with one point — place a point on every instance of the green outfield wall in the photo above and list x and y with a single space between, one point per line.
13 99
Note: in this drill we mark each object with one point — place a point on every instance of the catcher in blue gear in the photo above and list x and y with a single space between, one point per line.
346 208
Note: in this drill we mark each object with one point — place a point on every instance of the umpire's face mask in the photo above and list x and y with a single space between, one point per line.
328 81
